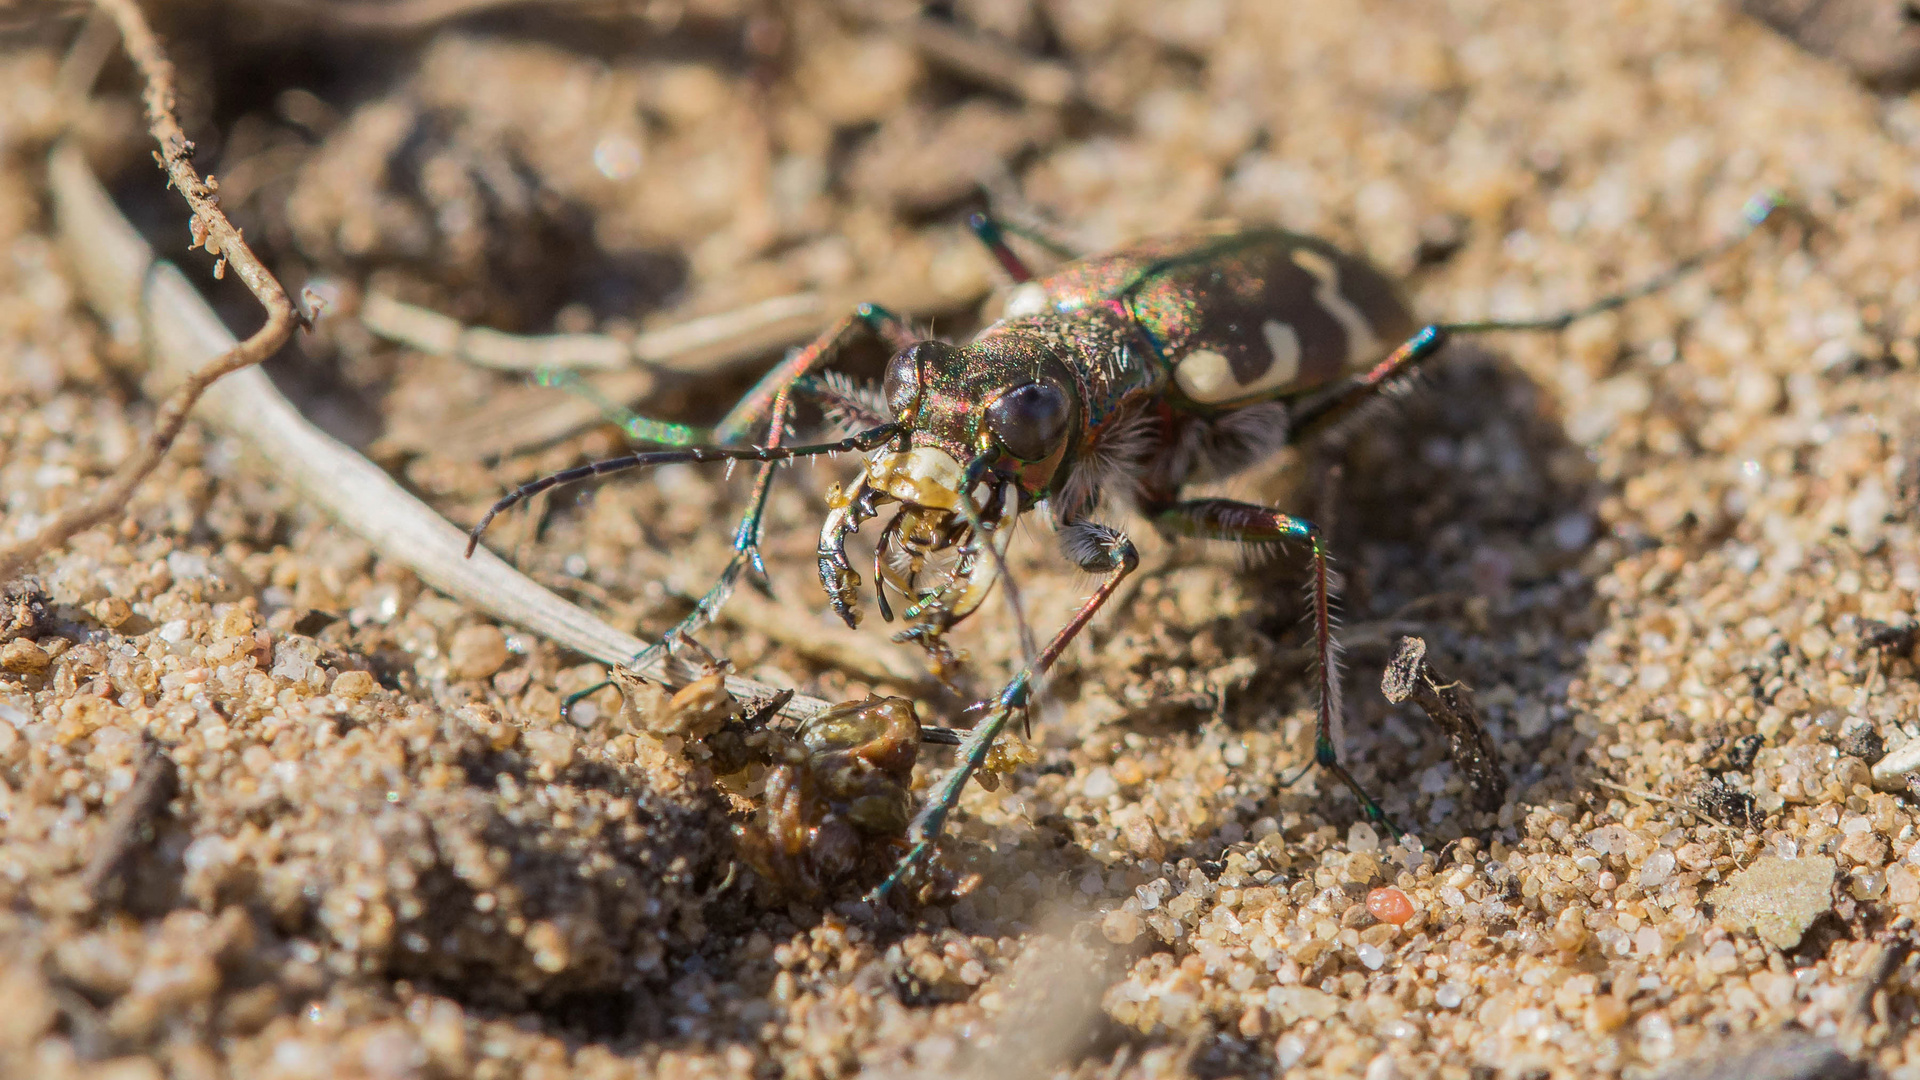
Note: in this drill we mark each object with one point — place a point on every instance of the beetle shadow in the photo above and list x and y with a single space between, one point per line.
1460 512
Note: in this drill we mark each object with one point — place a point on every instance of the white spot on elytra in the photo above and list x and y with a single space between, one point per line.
1206 377
1362 346
1285 346
1026 299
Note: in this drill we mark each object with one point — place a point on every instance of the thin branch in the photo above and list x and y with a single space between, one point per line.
212 230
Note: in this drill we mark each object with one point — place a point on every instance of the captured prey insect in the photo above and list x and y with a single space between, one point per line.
1118 379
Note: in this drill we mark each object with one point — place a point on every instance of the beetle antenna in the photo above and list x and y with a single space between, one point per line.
1404 362
1757 212
862 441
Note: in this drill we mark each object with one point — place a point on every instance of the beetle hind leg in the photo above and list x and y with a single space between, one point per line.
1224 519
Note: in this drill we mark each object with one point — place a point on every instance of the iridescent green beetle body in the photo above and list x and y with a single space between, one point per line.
1163 346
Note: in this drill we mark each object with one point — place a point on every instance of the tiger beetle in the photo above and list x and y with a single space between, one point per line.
1113 380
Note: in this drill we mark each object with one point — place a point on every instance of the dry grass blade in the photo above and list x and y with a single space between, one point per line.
994 63
694 347
212 230
402 16
151 301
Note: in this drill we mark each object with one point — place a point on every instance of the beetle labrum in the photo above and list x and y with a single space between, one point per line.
1119 378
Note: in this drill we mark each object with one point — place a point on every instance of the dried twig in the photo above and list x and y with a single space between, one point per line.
148 300
130 826
1451 709
212 230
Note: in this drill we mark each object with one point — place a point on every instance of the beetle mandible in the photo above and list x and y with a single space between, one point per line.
1115 379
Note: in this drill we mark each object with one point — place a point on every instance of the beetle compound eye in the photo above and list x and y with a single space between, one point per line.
1029 421
902 383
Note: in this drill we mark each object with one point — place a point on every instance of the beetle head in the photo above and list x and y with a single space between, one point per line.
992 420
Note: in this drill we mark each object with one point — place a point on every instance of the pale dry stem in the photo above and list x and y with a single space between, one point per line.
401 16
695 347
154 302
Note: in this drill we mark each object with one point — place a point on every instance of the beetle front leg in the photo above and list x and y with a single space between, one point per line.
1096 549
767 407
1247 523
769 404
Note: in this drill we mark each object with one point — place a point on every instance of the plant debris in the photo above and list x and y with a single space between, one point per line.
1449 705
1776 898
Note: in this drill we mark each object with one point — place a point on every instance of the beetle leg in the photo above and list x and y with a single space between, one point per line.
1096 548
994 238
767 407
769 404
754 410
1326 411
1224 519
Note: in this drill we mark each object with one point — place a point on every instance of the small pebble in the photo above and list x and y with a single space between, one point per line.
1606 1014
1892 772
1389 906
24 657
551 747
234 624
477 652
549 947
1121 926
1570 931
1656 870
1099 784
353 685
112 612
1776 898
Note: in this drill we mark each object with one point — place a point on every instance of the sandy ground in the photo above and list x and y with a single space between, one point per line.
1663 548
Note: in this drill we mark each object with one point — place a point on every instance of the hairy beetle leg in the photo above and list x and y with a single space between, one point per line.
1225 519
